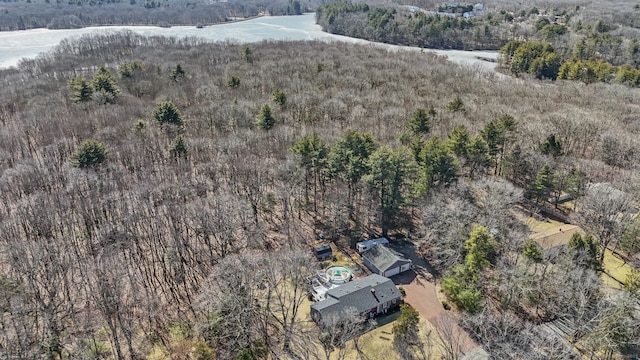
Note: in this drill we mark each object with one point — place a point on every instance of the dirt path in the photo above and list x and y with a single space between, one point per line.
422 294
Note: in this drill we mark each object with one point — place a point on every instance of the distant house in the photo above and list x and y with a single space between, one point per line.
411 8
366 245
606 188
560 199
556 236
369 297
383 261
554 241
323 252
441 14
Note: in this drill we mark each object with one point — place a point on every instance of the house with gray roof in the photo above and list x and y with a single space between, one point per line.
383 261
368 296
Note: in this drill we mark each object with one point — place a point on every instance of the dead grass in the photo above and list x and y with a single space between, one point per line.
341 258
536 225
353 263
615 270
305 310
378 343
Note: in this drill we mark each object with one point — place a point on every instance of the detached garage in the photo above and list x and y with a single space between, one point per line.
383 261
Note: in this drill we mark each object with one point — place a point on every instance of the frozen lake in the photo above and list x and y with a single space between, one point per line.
15 45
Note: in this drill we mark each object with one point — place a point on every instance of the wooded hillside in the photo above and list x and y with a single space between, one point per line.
148 185
71 14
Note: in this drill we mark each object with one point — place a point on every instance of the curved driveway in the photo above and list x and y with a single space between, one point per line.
421 293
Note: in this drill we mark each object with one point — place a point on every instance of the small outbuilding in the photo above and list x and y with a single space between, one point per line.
323 252
383 261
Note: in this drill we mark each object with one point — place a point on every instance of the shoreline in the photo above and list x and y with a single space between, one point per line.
147 25
27 44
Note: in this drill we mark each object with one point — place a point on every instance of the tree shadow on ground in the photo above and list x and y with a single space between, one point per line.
419 267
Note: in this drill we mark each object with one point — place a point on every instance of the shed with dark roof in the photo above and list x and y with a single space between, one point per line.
323 252
368 296
383 261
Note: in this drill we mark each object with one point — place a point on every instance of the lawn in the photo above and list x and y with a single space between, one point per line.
615 270
378 343
536 225
341 258
374 343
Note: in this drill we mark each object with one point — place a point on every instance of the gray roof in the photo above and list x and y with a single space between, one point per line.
478 353
356 296
325 248
374 242
384 258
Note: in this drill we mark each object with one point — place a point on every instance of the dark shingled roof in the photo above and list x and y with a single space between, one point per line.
322 249
356 296
384 258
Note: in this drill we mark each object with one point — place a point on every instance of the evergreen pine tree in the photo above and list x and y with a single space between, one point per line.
81 89
90 154
166 113
265 119
104 86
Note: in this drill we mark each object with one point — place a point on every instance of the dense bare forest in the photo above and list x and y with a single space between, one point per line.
158 197
577 31
58 14
394 24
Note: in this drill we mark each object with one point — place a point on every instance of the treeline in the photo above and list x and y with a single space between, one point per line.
543 62
576 33
520 301
573 31
57 14
398 26
598 30
156 192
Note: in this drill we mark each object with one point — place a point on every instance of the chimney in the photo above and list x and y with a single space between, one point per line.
373 292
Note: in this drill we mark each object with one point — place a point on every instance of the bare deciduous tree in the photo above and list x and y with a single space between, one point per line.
336 332
607 213
449 337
